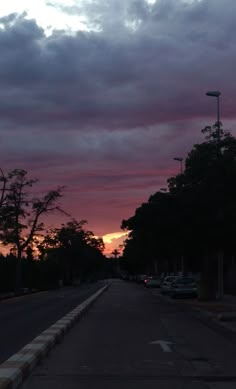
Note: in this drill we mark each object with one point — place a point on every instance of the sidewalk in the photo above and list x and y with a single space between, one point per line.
223 312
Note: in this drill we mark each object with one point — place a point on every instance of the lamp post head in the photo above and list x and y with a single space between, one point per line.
213 93
178 159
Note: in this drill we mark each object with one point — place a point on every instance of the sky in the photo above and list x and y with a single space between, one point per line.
101 95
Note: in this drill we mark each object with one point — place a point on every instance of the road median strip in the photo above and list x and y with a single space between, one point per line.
15 369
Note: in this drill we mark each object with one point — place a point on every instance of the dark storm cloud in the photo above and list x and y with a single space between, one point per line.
141 71
147 64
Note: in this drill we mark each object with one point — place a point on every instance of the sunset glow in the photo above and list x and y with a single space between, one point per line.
100 96
114 241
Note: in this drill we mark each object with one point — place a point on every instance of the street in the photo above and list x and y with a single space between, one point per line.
133 337
23 318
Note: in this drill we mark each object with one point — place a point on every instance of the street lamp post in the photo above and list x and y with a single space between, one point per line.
217 95
181 163
220 257
180 159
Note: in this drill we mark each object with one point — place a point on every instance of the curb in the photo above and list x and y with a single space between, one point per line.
226 316
7 296
15 369
11 295
217 321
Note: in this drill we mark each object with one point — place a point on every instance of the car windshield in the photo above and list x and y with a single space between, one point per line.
184 280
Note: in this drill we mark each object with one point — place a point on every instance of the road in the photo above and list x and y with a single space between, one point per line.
132 338
25 317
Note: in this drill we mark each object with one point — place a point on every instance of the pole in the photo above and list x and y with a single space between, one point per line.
220 271
181 163
182 265
220 256
218 119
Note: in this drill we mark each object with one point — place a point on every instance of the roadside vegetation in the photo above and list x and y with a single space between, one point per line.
40 257
191 227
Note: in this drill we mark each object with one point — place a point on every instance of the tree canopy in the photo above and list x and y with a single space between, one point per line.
196 216
67 252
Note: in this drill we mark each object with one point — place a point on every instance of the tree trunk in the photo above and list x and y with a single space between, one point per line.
18 282
220 275
207 289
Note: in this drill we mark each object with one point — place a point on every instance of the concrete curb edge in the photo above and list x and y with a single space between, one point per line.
15 369
216 321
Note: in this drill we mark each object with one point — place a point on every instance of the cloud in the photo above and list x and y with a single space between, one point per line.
114 241
109 238
105 110
118 78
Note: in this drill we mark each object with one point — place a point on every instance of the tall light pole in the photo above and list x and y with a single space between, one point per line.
217 95
181 163
220 256
180 159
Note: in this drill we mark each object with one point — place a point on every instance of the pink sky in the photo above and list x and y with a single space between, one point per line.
104 112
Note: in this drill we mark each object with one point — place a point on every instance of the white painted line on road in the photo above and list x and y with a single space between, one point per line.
165 345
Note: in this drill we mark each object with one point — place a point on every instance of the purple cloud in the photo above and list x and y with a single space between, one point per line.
105 111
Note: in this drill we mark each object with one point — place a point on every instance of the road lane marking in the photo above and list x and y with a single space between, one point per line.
165 345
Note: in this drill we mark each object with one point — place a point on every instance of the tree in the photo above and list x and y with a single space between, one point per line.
21 213
3 189
115 253
78 252
197 217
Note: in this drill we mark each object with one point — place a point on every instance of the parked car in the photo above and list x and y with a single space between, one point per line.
154 282
184 287
148 278
166 285
141 278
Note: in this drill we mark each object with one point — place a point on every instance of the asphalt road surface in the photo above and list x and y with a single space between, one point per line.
131 338
23 318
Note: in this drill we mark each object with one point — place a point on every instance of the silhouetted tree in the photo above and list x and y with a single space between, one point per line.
22 212
78 252
196 218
